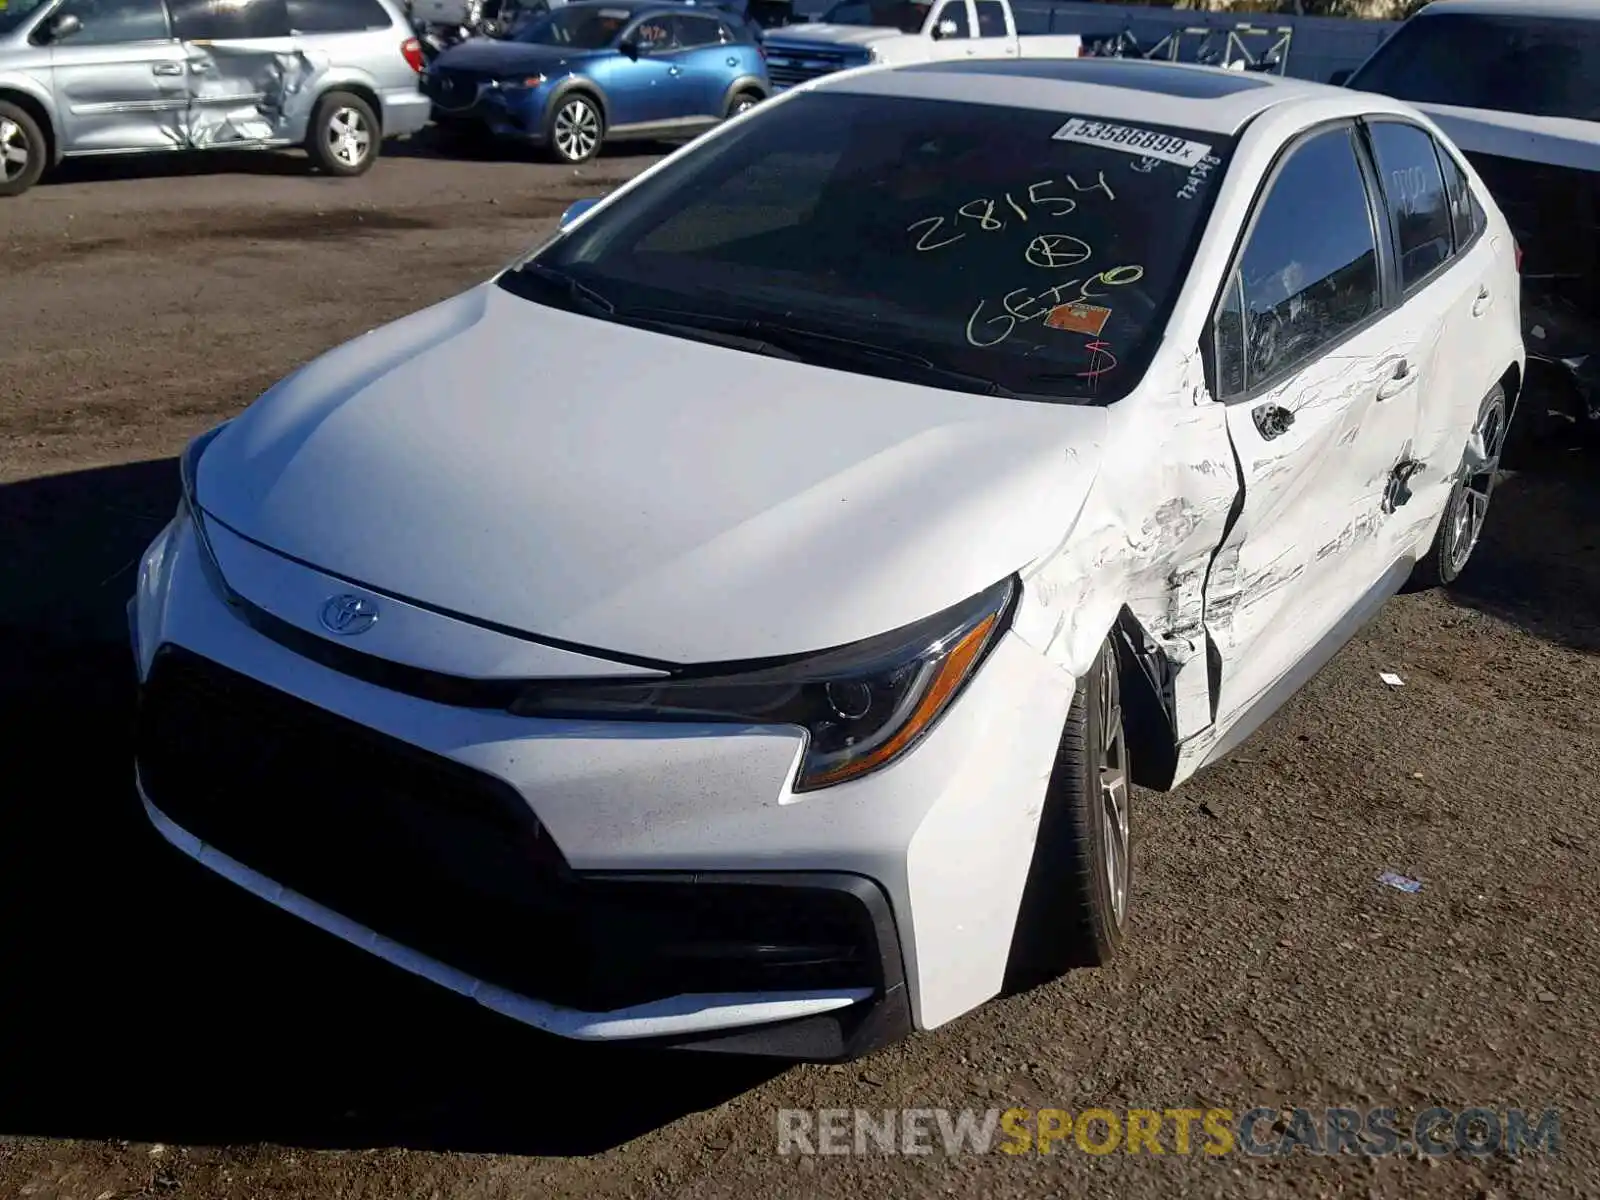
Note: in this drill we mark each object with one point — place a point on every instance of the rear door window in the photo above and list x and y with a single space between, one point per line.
228 20
336 16
1541 67
1463 206
991 18
695 32
1415 196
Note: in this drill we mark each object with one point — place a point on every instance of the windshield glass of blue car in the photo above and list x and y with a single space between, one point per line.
907 16
580 26
972 246
1531 66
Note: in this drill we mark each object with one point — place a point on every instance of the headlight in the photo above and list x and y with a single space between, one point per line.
862 706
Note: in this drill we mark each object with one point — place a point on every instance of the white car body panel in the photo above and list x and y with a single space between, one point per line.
638 497
892 47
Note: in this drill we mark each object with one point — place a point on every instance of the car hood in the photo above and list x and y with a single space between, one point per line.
494 57
831 35
642 494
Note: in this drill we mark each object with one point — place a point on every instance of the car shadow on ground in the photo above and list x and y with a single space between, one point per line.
1538 563
433 143
144 1000
116 168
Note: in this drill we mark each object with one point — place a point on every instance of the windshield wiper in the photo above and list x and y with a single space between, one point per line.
578 293
808 345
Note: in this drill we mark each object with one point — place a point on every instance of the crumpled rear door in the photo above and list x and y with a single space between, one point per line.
244 93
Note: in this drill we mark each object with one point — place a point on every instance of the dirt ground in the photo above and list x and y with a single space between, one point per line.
163 1035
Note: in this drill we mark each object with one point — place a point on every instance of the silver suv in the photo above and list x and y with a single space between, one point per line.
81 77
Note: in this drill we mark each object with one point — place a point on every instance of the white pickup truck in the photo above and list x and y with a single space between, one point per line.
854 33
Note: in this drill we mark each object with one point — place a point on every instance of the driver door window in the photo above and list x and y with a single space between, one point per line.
109 22
1307 284
653 35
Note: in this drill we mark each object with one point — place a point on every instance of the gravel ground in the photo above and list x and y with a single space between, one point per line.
164 1035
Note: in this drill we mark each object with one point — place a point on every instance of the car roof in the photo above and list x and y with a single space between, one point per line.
1515 8
1208 99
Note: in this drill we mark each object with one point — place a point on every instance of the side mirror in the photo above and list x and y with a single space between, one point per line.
575 210
62 27
629 47
944 29
1341 77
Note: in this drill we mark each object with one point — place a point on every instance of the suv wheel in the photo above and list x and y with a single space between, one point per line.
574 129
344 136
22 150
741 102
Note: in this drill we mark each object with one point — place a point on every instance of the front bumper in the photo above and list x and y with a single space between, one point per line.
594 880
504 112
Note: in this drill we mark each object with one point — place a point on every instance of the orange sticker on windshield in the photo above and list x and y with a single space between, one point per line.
1078 318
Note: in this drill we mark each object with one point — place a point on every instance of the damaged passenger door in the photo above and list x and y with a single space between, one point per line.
243 69
118 76
1306 359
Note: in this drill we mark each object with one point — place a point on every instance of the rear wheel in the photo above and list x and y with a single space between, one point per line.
344 137
1075 904
1462 523
22 150
574 129
742 102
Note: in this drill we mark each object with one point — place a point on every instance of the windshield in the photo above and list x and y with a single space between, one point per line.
14 12
581 26
1538 68
903 15
1030 252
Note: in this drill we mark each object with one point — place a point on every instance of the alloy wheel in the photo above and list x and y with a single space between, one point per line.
1114 784
577 130
349 139
15 151
1482 468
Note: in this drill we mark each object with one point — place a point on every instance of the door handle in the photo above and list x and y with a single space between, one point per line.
674 70
1272 420
733 62
167 68
1481 304
1402 378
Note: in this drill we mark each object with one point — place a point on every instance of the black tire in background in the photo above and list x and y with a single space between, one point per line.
344 135
1074 910
740 101
22 150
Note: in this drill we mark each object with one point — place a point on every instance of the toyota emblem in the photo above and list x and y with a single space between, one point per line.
348 615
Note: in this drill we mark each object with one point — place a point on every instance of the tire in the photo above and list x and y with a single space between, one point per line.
740 101
574 128
1074 910
22 150
344 137
1461 524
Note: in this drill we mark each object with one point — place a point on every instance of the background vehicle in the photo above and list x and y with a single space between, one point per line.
1047 449
81 77
1516 84
854 33
592 72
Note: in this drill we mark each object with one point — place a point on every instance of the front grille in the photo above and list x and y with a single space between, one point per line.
453 863
453 90
788 67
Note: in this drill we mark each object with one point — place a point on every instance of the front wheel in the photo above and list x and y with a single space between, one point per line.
574 129
22 150
1462 523
1074 910
343 138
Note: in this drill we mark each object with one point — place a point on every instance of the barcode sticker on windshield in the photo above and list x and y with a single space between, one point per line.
1144 142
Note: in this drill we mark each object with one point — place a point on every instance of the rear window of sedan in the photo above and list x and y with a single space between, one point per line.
1041 251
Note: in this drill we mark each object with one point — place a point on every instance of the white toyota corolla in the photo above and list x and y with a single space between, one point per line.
738 624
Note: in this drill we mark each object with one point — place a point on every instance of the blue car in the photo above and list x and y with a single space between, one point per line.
588 73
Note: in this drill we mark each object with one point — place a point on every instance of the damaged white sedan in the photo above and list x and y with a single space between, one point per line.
738 624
